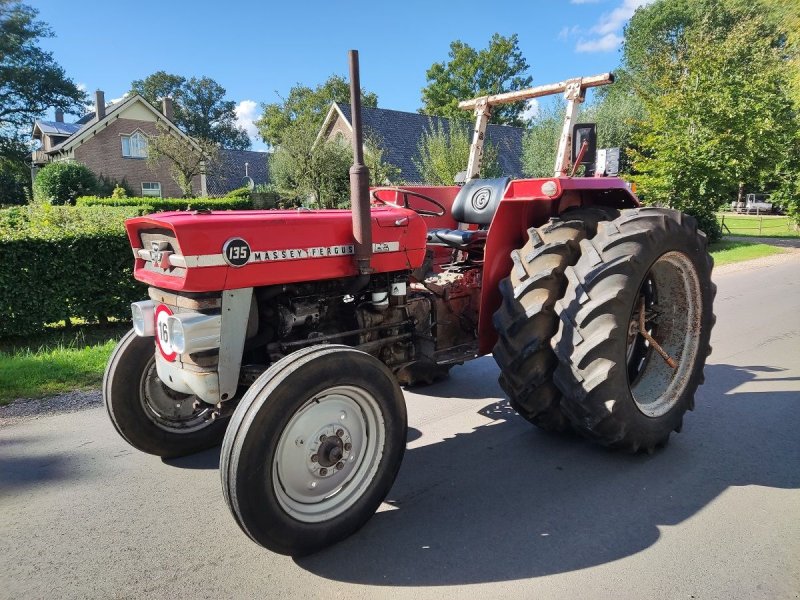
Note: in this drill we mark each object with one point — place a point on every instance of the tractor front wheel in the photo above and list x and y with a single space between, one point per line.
147 414
313 448
635 326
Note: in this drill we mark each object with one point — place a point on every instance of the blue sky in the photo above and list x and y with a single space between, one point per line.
257 50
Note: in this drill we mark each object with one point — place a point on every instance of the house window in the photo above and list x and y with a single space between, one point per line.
134 145
151 188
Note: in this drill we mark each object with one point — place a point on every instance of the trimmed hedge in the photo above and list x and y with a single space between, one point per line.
59 262
165 204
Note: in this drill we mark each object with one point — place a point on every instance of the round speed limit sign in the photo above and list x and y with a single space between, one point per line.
163 340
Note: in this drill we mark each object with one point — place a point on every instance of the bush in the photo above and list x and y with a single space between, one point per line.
242 192
64 262
107 185
164 204
119 192
63 182
15 181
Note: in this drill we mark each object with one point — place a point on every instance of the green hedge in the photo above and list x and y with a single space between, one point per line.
59 262
164 204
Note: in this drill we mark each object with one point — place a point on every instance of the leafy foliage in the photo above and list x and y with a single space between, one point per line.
541 141
470 73
444 152
31 81
15 181
62 262
305 172
713 83
187 160
62 182
200 108
306 105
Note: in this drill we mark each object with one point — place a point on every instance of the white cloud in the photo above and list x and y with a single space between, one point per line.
607 43
567 32
246 114
531 109
115 100
609 27
81 86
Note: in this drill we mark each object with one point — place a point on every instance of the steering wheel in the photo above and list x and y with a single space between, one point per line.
441 210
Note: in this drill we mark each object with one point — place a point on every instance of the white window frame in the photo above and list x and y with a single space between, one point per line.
134 145
148 192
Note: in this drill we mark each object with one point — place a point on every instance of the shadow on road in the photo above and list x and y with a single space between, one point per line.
506 501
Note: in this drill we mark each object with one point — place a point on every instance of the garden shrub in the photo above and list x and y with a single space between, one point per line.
15 181
63 182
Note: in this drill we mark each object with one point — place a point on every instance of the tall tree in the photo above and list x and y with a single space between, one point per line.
470 73
31 81
713 80
201 109
305 104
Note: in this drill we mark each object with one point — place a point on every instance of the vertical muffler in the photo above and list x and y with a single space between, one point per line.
359 176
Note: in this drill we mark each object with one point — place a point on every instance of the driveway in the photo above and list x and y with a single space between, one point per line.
485 505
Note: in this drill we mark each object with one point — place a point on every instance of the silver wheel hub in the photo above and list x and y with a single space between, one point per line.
328 454
170 410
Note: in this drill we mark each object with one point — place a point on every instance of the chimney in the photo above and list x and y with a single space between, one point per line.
166 107
59 115
99 104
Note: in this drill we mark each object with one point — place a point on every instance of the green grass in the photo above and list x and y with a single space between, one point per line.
748 225
728 251
58 361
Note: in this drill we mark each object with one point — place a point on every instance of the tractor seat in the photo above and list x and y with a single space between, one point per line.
475 204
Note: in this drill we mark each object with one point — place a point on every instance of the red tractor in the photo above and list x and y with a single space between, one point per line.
286 334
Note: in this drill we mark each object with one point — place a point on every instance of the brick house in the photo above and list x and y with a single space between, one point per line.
401 132
112 142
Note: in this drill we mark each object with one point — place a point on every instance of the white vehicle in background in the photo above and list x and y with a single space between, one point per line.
753 204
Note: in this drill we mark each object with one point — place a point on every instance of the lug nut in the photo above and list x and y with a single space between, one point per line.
339 465
315 458
322 438
339 432
323 471
348 446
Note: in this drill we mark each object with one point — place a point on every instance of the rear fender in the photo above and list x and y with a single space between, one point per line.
525 206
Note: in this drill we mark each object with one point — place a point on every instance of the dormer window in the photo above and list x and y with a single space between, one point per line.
134 145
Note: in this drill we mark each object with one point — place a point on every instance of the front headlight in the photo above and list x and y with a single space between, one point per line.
143 316
194 332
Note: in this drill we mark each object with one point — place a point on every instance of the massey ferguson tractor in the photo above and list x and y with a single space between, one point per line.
286 334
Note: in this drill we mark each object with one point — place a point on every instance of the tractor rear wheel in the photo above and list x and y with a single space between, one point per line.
635 326
313 448
526 319
146 413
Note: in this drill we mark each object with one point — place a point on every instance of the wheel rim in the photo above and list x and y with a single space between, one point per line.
328 454
671 301
170 410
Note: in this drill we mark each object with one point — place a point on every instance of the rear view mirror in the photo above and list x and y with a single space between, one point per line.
585 132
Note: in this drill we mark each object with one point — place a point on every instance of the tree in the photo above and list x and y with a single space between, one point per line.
200 108
714 86
444 152
304 171
470 73
31 81
305 104
186 160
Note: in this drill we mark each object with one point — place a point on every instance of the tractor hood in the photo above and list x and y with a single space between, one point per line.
211 251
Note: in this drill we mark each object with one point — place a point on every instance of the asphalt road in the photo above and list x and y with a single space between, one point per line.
484 505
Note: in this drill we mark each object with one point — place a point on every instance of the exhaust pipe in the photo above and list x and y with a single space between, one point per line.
359 176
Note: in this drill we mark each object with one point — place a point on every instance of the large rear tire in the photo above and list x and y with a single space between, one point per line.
146 413
648 267
313 448
526 319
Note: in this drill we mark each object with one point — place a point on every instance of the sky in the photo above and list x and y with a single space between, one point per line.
258 50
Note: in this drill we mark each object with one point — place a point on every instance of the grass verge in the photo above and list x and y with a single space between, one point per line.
56 362
727 251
